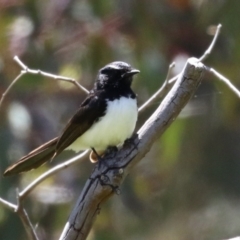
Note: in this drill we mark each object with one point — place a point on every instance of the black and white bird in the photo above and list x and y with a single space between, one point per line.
106 118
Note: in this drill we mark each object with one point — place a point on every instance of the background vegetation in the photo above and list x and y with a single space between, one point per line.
187 187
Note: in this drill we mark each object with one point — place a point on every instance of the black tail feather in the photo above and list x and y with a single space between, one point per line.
34 159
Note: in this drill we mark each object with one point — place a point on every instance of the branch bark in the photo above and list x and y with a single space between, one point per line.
106 178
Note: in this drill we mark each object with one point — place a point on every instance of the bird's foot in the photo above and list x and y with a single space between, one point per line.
131 141
98 158
111 150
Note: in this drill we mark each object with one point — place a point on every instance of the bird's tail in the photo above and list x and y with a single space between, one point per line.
34 159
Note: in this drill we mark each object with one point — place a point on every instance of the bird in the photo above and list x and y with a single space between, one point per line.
106 118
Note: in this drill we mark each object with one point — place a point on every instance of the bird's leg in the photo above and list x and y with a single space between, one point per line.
54 155
96 154
99 159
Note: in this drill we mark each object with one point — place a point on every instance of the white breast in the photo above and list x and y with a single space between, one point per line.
112 129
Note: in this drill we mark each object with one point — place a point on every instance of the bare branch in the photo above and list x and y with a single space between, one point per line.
211 46
206 53
10 86
9 205
106 179
23 216
50 75
225 80
22 213
42 73
161 91
24 193
20 63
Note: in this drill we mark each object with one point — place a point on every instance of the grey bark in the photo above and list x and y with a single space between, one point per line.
106 179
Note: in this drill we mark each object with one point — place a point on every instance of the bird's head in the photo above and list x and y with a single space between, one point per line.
115 75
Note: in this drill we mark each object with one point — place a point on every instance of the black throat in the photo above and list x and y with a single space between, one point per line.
114 93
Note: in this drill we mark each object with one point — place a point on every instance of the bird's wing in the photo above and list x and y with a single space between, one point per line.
89 112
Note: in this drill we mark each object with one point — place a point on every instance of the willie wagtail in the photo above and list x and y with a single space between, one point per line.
106 118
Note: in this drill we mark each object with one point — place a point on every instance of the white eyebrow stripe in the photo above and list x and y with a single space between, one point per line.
113 67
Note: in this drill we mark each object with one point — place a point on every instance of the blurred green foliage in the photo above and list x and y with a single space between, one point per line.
187 187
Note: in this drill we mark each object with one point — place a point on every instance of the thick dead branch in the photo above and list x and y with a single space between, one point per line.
106 178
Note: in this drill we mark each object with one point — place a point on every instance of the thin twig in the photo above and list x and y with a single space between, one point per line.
22 213
10 86
25 192
225 80
163 88
206 53
211 46
172 80
26 70
50 75
9 205
27 224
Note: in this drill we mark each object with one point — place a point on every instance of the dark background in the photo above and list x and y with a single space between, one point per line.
188 186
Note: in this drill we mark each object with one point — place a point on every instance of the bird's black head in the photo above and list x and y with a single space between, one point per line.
115 75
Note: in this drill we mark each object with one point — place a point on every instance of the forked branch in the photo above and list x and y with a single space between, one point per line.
26 70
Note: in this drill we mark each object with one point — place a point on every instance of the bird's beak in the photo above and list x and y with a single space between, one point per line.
131 72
